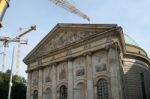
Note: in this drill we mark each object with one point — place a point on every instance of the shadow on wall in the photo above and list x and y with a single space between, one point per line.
136 80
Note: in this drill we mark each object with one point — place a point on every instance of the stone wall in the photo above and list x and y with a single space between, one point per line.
132 78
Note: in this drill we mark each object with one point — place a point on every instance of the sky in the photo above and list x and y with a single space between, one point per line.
132 15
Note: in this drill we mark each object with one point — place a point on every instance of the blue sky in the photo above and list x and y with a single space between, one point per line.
132 15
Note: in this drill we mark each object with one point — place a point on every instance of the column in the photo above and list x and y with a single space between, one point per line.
90 89
28 94
70 78
40 84
54 81
113 61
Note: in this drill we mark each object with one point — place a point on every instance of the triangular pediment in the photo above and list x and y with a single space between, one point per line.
63 35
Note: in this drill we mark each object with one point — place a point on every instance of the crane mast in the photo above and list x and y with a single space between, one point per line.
19 46
7 40
71 8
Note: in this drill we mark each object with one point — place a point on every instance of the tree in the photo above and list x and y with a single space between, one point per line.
18 88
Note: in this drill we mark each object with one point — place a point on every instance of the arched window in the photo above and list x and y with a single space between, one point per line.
63 92
35 94
102 89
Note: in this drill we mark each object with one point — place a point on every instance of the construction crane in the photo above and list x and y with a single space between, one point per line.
7 40
19 47
71 8
62 3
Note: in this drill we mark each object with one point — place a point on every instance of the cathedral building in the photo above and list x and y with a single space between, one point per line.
88 61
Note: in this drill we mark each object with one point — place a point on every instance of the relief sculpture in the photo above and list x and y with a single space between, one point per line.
101 67
100 63
62 74
63 71
80 66
65 38
48 75
80 72
35 78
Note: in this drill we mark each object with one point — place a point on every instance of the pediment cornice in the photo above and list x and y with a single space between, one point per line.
63 35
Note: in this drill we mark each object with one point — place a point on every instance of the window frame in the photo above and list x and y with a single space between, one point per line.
63 95
102 89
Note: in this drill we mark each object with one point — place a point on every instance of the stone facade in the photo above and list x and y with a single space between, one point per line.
87 61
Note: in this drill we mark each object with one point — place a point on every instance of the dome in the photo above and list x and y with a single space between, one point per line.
129 40
135 48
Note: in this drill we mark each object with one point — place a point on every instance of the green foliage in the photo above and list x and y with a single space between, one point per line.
18 88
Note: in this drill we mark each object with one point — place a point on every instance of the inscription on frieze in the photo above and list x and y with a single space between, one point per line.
87 46
69 52
39 62
53 58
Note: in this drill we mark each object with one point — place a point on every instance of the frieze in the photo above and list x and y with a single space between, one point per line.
39 62
53 58
69 52
87 46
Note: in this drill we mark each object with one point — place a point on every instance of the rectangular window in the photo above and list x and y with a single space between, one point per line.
143 85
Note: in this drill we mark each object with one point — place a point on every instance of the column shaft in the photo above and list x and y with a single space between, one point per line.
40 84
28 86
90 93
116 89
54 82
70 79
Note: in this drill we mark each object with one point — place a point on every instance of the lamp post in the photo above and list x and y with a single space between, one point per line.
10 81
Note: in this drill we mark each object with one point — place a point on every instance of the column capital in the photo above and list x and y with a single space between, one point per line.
113 45
41 67
70 58
54 64
87 53
28 71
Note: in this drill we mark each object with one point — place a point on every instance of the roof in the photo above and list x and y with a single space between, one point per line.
129 40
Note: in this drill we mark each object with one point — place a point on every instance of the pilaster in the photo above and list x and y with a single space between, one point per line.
70 78
29 86
116 84
90 93
54 81
40 84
